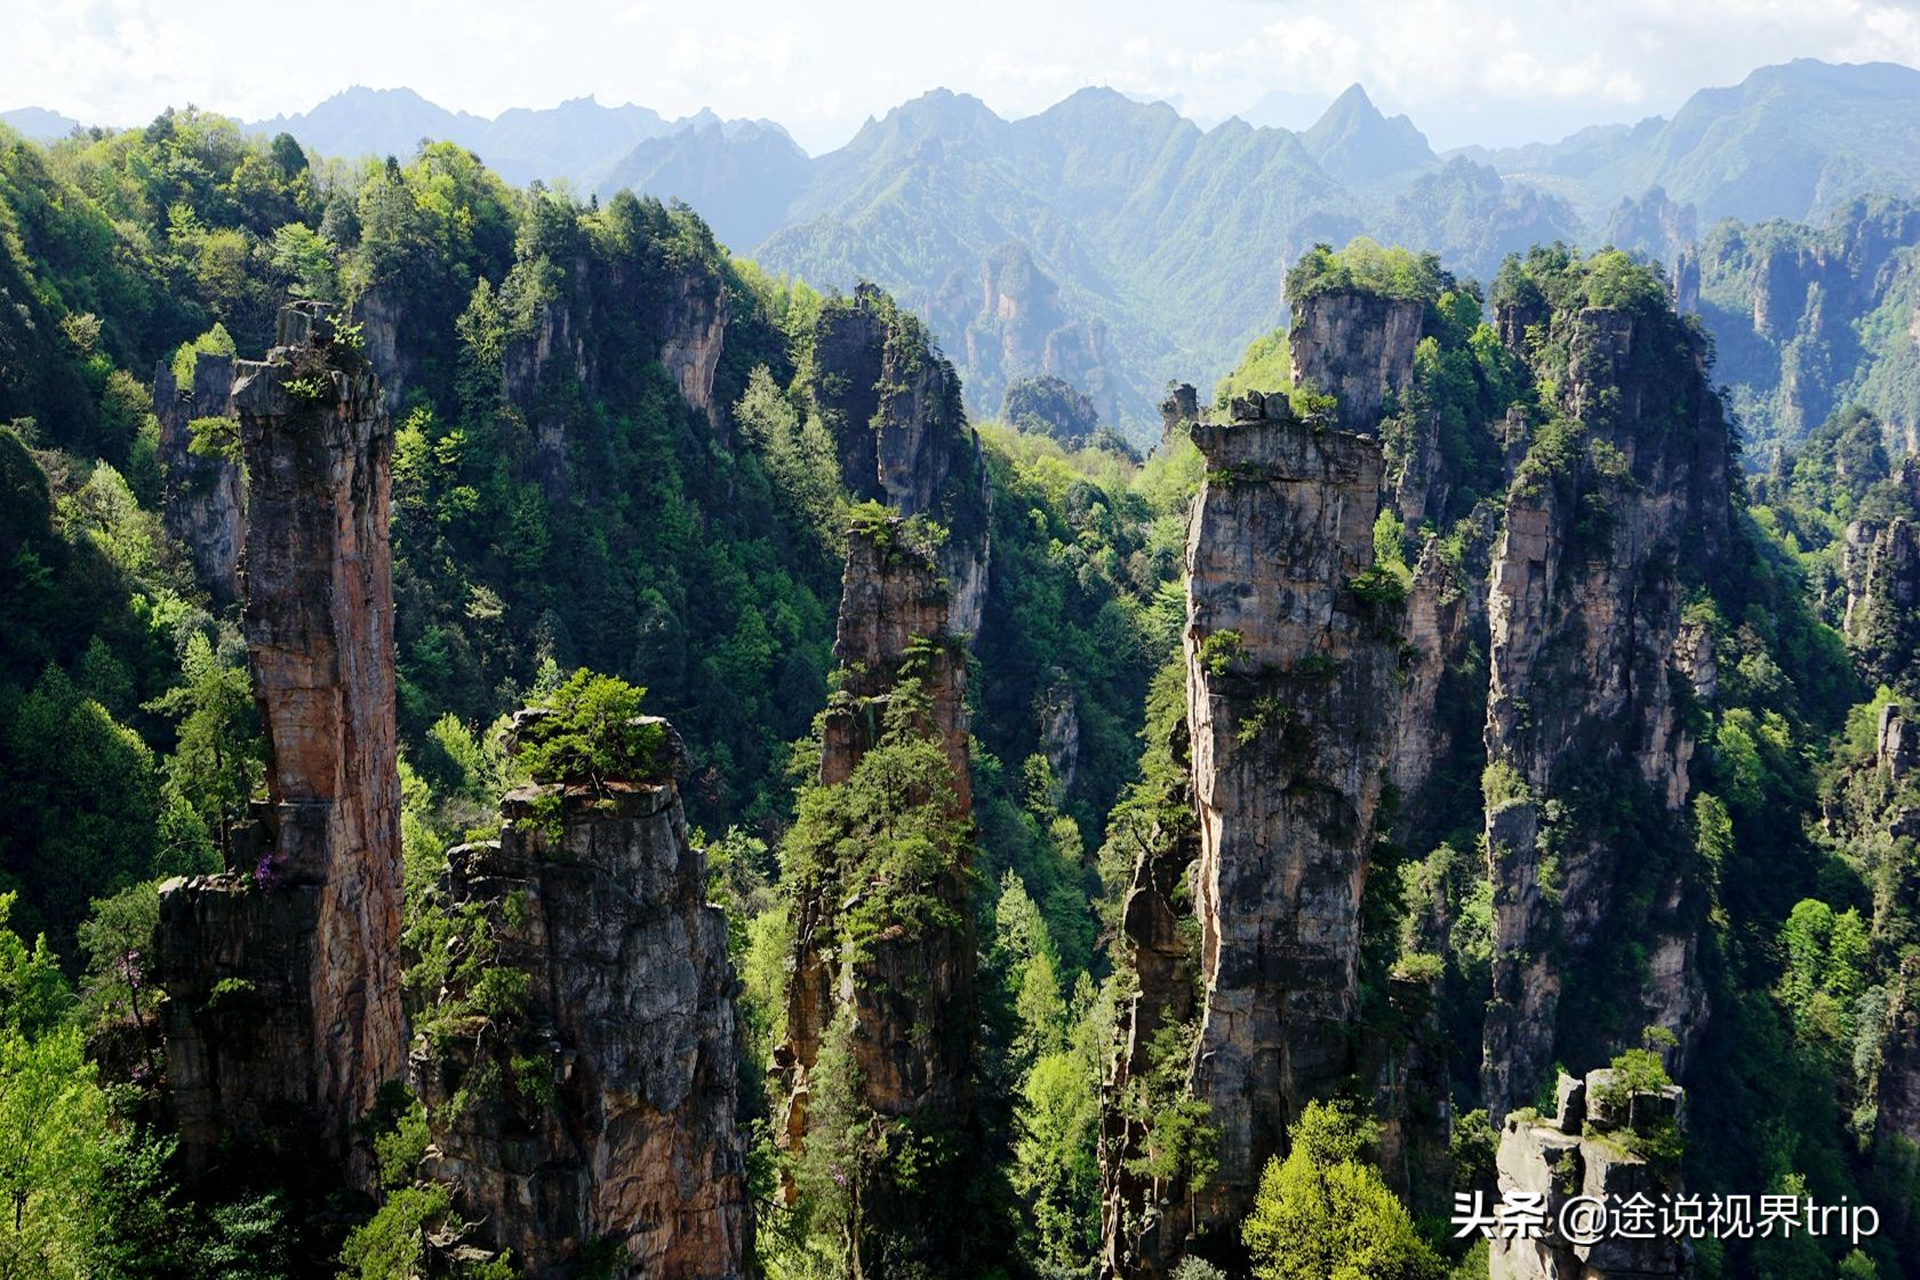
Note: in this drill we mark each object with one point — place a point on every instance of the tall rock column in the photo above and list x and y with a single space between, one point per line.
900 431
1291 647
204 493
899 988
1602 526
285 976
596 1108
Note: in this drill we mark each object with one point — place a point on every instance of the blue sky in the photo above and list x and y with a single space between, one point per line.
1495 71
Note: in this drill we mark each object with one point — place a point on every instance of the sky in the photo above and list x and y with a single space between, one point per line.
1490 71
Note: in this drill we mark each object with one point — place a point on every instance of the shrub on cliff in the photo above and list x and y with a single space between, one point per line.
591 732
1365 267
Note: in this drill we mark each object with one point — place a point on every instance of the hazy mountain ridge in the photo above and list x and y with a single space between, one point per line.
579 140
1155 249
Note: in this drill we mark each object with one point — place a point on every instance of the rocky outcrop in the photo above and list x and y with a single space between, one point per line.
1880 567
1584 615
1178 412
1058 710
1143 1221
1011 324
382 320
1606 1142
1292 656
1807 318
1446 627
892 404
1358 348
903 995
311 931
598 1110
1897 1084
591 332
695 331
204 493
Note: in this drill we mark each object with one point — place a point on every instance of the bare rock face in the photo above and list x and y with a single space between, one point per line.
1178 412
320 914
601 1110
908 994
592 332
695 332
893 405
1585 623
1059 713
205 495
1604 1142
1291 705
1358 348
382 323
1880 564
1446 625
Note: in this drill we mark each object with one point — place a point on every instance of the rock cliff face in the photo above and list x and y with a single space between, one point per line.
1600 1143
905 996
588 336
1144 1223
1880 567
382 325
893 405
1585 621
312 933
1801 315
1291 697
1013 325
1178 412
1358 348
602 1109
204 495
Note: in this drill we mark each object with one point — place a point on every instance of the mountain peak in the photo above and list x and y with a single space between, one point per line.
1357 144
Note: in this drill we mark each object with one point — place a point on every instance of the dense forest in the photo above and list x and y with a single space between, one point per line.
633 475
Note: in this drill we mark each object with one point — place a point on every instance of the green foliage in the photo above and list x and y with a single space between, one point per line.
1827 954
214 438
219 759
888 839
52 1119
1266 365
1050 406
216 341
1365 267
1221 651
392 1244
118 938
1324 1213
1502 785
591 733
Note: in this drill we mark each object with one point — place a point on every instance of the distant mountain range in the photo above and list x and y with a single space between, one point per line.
1115 244
579 140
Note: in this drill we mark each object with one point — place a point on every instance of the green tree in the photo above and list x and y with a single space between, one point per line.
1324 1214
118 941
52 1125
220 756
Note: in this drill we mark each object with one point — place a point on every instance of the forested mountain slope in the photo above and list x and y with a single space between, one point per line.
819 831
